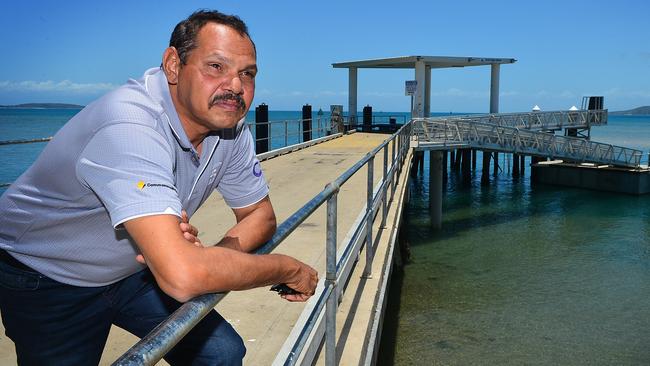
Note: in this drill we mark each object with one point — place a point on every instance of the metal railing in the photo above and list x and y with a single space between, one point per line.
19 142
287 132
439 132
547 121
156 344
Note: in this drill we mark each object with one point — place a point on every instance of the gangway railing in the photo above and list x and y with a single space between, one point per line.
339 267
545 121
438 133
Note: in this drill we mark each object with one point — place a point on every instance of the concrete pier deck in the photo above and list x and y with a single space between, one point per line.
261 317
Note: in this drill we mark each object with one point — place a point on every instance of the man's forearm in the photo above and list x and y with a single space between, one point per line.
252 229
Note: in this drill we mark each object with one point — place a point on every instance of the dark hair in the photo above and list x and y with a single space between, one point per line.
185 33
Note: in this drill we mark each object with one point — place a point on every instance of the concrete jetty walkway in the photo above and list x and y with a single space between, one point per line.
261 317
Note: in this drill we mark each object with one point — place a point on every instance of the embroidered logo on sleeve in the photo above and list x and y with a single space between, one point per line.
257 169
142 185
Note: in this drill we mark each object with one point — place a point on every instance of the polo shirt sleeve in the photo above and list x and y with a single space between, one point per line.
243 183
130 168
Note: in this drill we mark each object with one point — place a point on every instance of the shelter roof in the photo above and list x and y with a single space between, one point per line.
408 62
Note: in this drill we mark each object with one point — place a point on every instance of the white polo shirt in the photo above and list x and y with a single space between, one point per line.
124 156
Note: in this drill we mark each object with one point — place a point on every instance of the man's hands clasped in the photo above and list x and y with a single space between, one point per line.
303 280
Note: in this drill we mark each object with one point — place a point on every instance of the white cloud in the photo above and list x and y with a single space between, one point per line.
60 86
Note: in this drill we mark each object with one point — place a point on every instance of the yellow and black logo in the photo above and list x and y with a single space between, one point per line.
142 185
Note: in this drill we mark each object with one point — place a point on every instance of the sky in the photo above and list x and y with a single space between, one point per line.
76 51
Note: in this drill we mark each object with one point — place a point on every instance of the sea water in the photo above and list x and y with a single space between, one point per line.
525 274
518 274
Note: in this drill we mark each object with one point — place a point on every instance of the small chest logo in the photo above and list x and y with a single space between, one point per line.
257 169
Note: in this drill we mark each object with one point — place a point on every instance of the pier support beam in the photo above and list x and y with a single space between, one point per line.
452 159
473 160
515 165
533 160
495 155
485 173
352 96
444 166
458 160
466 163
522 165
435 188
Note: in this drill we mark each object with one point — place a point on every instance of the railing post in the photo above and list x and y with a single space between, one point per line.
261 128
330 276
384 191
320 131
367 272
286 133
393 179
306 123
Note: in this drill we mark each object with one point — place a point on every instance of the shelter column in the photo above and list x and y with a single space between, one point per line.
352 95
420 77
427 91
494 105
494 89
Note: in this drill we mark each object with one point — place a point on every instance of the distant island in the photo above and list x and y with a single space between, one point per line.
42 106
645 110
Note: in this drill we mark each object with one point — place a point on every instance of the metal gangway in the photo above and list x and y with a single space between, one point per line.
539 121
527 139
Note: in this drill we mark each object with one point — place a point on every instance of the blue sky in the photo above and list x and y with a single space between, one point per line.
74 51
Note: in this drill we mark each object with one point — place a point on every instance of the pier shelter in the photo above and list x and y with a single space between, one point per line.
422 103
422 66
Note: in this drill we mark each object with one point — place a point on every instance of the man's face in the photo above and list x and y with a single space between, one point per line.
215 87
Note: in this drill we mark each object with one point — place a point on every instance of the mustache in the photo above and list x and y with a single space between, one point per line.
229 96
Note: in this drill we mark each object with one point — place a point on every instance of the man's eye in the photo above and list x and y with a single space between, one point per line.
216 66
248 74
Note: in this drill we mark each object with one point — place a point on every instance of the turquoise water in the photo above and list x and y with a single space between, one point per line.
519 274
24 124
523 274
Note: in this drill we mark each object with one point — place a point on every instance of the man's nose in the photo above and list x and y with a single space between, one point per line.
234 84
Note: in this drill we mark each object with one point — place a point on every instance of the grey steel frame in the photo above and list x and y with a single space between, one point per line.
546 121
437 133
156 344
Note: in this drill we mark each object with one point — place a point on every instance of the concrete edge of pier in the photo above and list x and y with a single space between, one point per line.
601 177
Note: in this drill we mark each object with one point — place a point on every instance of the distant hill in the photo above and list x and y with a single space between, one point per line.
42 105
640 110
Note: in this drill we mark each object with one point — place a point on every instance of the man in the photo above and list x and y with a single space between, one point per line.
112 186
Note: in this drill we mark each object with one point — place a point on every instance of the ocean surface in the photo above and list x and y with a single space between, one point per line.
525 275
518 274
26 124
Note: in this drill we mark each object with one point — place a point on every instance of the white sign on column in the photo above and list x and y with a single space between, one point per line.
410 86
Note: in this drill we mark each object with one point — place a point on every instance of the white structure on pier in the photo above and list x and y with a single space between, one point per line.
422 66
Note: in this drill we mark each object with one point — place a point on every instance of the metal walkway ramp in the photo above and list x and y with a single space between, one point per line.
539 121
521 138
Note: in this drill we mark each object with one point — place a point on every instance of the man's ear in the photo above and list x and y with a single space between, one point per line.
171 65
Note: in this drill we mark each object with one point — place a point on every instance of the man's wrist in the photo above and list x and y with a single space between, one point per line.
230 243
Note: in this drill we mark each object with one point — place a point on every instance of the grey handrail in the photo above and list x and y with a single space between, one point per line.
167 334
